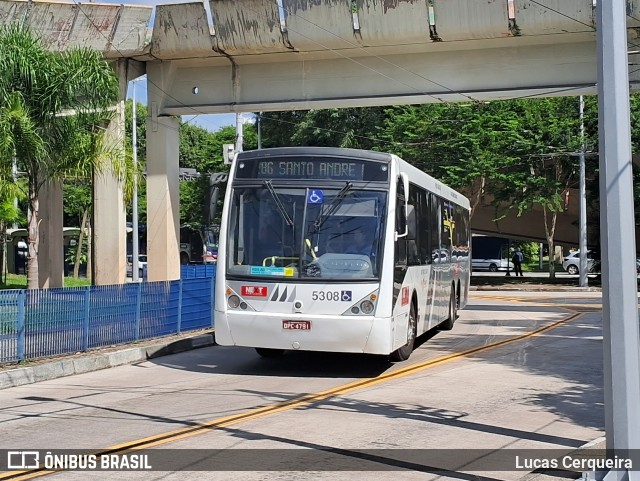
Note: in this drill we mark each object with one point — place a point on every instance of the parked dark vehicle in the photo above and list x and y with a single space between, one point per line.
489 253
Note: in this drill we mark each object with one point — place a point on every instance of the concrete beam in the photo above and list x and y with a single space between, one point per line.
405 78
247 27
322 53
182 31
117 30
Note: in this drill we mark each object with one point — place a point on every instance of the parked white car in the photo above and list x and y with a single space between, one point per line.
571 263
142 264
492 265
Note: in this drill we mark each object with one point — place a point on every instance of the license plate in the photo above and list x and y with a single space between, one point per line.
297 325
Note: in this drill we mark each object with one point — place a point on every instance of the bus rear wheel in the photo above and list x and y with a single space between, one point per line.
403 353
453 312
268 352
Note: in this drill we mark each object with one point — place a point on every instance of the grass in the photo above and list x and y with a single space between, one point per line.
19 281
534 266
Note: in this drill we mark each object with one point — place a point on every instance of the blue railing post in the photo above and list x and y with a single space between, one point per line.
85 321
21 326
138 307
179 327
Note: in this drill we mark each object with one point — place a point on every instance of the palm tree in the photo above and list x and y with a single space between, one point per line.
53 106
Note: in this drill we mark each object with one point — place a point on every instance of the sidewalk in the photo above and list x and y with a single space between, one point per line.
96 359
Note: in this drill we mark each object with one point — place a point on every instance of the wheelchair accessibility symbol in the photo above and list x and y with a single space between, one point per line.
315 197
346 296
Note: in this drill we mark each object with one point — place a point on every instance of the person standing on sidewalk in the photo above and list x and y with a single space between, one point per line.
517 259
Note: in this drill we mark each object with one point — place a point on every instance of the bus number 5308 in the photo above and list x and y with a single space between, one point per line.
326 295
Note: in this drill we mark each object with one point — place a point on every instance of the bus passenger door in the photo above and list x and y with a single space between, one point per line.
447 228
400 290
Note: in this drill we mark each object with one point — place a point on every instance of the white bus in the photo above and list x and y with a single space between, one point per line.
294 270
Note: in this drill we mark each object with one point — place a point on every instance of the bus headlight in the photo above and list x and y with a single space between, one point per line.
233 301
363 307
366 307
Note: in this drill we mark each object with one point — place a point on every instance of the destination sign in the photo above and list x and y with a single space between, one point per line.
313 168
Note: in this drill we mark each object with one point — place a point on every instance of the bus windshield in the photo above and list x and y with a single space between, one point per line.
303 233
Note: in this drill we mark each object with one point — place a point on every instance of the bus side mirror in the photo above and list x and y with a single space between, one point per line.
228 153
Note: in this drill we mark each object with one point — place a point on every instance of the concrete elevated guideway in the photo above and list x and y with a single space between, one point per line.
253 56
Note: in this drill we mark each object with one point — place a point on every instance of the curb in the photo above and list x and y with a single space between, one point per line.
88 363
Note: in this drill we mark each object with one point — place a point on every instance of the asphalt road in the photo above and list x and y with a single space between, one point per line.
517 372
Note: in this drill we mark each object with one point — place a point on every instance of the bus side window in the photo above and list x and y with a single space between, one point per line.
448 227
413 237
424 233
435 221
461 232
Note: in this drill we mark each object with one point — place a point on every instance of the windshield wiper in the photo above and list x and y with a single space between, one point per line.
335 203
278 203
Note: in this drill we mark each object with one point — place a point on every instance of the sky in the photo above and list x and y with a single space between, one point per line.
211 122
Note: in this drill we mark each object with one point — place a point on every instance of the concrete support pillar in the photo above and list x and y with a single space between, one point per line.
109 222
620 332
163 193
163 199
51 241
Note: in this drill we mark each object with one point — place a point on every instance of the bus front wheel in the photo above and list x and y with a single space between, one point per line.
403 353
267 352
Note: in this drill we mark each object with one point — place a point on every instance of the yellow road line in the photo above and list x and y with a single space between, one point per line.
304 400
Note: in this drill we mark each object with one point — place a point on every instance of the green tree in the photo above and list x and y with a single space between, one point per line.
53 107
548 167
349 127
465 145
278 128
202 150
8 212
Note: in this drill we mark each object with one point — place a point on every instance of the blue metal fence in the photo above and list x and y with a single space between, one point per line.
46 322
197 270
